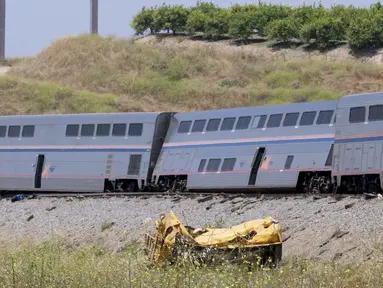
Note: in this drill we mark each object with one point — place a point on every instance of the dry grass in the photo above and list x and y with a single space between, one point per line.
20 96
159 76
55 264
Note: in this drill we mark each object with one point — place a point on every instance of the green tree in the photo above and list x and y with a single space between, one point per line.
217 25
305 14
143 21
196 21
198 16
267 13
205 7
366 32
324 31
241 24
282 30
172 18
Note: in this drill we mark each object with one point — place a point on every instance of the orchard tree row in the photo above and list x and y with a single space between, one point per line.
360 27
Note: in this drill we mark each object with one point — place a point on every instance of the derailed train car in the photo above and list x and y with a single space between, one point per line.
306 147
280 147
358 144
81 152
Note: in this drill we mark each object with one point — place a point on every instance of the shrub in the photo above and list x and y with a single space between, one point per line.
324 31
283 30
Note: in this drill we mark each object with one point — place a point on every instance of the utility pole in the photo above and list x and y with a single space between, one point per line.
93 16
2 31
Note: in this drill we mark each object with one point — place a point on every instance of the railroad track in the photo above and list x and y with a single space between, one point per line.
269 196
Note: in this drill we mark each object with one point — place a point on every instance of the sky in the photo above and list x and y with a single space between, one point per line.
32 25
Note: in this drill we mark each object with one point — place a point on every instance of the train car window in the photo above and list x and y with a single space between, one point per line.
375 113
119 129
243 123
135 129
3 131
274 120
213 165
307 118
201 166
198 125
259 121
289 161
87 130
28 131
228 164
14 131
325 117
72 130
228 124
184 127
357 114
103 130
213 125
290 119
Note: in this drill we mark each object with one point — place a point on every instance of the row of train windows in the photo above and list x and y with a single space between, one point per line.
229 163
13 131
214 164
88 130
290 119
358 114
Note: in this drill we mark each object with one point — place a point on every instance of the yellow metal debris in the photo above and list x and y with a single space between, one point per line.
255 233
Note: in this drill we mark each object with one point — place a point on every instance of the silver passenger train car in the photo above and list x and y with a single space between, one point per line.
358 144
312 147
80 153
280 147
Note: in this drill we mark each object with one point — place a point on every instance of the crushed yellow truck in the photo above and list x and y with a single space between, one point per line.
257 241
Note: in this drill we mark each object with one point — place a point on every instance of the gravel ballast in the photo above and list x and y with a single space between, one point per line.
347 229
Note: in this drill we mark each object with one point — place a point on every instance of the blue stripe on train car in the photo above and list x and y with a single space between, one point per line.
359 139
284 141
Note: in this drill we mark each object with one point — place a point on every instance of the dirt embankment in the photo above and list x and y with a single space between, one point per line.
348 229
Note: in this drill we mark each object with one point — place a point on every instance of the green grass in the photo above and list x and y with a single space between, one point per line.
178 76
22 96
57 264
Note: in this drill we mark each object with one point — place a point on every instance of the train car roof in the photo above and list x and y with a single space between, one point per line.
260 110
79 118
361 99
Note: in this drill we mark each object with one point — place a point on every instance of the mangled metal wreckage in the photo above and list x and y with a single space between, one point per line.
256 241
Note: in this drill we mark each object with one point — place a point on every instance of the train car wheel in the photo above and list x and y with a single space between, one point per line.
131 187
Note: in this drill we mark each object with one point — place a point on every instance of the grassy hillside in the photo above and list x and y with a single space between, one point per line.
167 75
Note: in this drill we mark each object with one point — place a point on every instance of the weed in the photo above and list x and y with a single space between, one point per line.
106 225
52 264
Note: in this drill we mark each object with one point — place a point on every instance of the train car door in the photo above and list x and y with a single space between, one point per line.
347 164
261 151
371 157
358 154
39 170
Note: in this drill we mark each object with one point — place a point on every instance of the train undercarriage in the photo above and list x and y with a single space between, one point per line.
311 182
